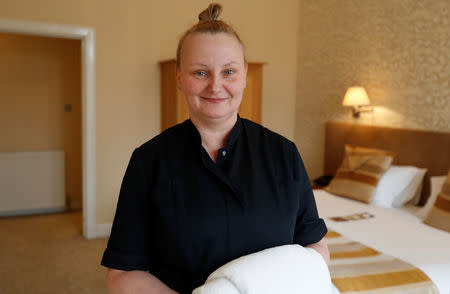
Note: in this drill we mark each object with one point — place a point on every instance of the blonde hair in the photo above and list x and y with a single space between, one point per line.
208 22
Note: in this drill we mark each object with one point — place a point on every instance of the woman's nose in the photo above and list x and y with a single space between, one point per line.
214 83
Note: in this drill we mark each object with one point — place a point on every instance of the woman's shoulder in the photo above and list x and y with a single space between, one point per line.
168 138
258 132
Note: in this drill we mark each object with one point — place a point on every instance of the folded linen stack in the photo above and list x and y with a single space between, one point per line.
284 269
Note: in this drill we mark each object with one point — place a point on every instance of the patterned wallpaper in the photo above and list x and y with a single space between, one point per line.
398 50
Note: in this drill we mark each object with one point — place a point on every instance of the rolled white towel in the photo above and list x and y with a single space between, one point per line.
217 286
288 269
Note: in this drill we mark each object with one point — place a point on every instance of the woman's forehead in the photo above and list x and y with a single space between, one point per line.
207 49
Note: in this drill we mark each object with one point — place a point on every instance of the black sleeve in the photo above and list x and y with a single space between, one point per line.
128 244
309 227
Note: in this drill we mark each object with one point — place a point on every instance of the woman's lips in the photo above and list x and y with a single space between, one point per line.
214 99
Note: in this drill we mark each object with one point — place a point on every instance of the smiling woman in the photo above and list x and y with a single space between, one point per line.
211 189
212 75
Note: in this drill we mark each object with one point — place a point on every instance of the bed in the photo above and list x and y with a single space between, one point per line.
392 231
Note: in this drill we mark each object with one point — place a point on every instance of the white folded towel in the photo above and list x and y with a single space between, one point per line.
288 269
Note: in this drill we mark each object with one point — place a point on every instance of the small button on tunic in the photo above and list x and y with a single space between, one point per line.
180 216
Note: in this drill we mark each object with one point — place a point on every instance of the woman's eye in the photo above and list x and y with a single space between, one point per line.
200 73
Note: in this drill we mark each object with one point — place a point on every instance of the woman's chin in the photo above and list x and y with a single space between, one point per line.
217 115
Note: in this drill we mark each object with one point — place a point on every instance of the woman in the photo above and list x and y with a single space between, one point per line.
211 189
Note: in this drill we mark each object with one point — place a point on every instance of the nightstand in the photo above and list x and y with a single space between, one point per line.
315 186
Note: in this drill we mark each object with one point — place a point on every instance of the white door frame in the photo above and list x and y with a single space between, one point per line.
87 37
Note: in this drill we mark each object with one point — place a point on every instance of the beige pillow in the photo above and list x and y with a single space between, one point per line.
439 215
357 177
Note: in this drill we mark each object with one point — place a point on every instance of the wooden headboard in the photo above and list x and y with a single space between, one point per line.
425 149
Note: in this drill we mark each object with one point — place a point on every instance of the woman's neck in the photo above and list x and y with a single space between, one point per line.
214 134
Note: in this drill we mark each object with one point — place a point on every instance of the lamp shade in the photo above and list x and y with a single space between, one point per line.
356 96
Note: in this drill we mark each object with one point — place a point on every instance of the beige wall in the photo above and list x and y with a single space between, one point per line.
132 36
37 77
398 50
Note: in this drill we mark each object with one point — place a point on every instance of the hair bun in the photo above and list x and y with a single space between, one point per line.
211 13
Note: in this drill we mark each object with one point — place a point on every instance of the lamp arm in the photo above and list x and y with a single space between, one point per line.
356 110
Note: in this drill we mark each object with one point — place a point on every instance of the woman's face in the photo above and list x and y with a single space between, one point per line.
212 75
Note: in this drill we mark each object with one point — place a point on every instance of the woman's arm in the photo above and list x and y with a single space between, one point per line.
322 248
134 282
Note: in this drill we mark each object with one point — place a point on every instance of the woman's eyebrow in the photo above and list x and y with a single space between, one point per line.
229 64
204 65
198 64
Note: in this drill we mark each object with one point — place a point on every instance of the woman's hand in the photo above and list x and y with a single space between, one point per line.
134 282
322 248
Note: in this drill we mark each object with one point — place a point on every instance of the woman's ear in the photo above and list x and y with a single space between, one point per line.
177 74
245 73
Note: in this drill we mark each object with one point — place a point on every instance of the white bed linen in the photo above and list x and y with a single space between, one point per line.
393 232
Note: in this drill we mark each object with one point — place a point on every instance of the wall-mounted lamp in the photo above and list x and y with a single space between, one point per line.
357 98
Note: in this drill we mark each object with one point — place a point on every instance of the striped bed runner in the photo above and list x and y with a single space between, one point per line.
359 269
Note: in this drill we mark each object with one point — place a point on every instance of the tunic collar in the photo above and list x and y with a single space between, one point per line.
235 132
232 138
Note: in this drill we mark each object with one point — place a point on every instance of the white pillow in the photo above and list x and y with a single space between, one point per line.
398 185
436 187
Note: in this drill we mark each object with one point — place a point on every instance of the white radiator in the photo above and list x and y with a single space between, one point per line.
32 182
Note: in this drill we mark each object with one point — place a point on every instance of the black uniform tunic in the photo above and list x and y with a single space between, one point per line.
180 216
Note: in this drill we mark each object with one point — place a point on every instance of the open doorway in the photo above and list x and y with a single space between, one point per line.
83 39
40 114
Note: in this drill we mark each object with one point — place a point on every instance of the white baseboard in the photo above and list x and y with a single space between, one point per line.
102 230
